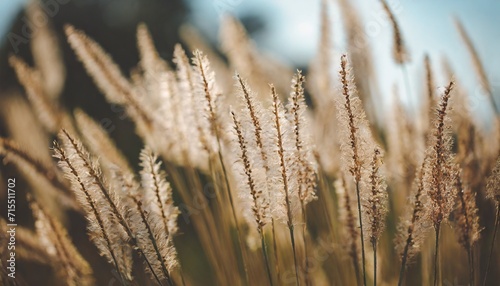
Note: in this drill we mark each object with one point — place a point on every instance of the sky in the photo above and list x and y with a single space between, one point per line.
292 30
8 10
427 26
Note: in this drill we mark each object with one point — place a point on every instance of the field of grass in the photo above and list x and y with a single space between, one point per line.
252 173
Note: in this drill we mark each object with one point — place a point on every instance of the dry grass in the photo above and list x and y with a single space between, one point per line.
241 185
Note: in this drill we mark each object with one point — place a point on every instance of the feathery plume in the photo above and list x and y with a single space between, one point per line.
99 142
493 184
109 79
244 57
48 111
305 160
467 220
438 179
151 63
28 246
250 188
90 171
258 142
493 193
211 96
400 54
430 100
194 40
287 198
354 130
429 78
47 53
253 117
375 207
149 233
24 160
477 63
161 213
71 267
355 138
106 74
105 224
194 124
176 147
158 193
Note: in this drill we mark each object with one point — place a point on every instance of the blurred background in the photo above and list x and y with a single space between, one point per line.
286 30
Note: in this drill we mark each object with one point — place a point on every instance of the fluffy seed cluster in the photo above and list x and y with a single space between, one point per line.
71 267
493 184
415 222
125 215
440 172
277 157
466 214
354 131
375 204
261 152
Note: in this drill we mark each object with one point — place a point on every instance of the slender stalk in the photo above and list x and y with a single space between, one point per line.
492 245
306 266
351 220
284 176
240 243
403 262
436 254
150 267
471 266
290 227
209 97
468 230
355 262
361 233
276 258
266 258
141 211
374 245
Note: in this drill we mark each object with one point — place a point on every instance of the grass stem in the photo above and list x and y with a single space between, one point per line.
290 227
238 233
276 258
471 265
492 245
266 258
436 254
361 232
374 245
403 260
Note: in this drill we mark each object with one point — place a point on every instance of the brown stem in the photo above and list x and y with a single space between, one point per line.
436 254
361 232
275 246
374 245
492 244
266 258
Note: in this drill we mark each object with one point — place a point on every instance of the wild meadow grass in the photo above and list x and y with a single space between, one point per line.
255 174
